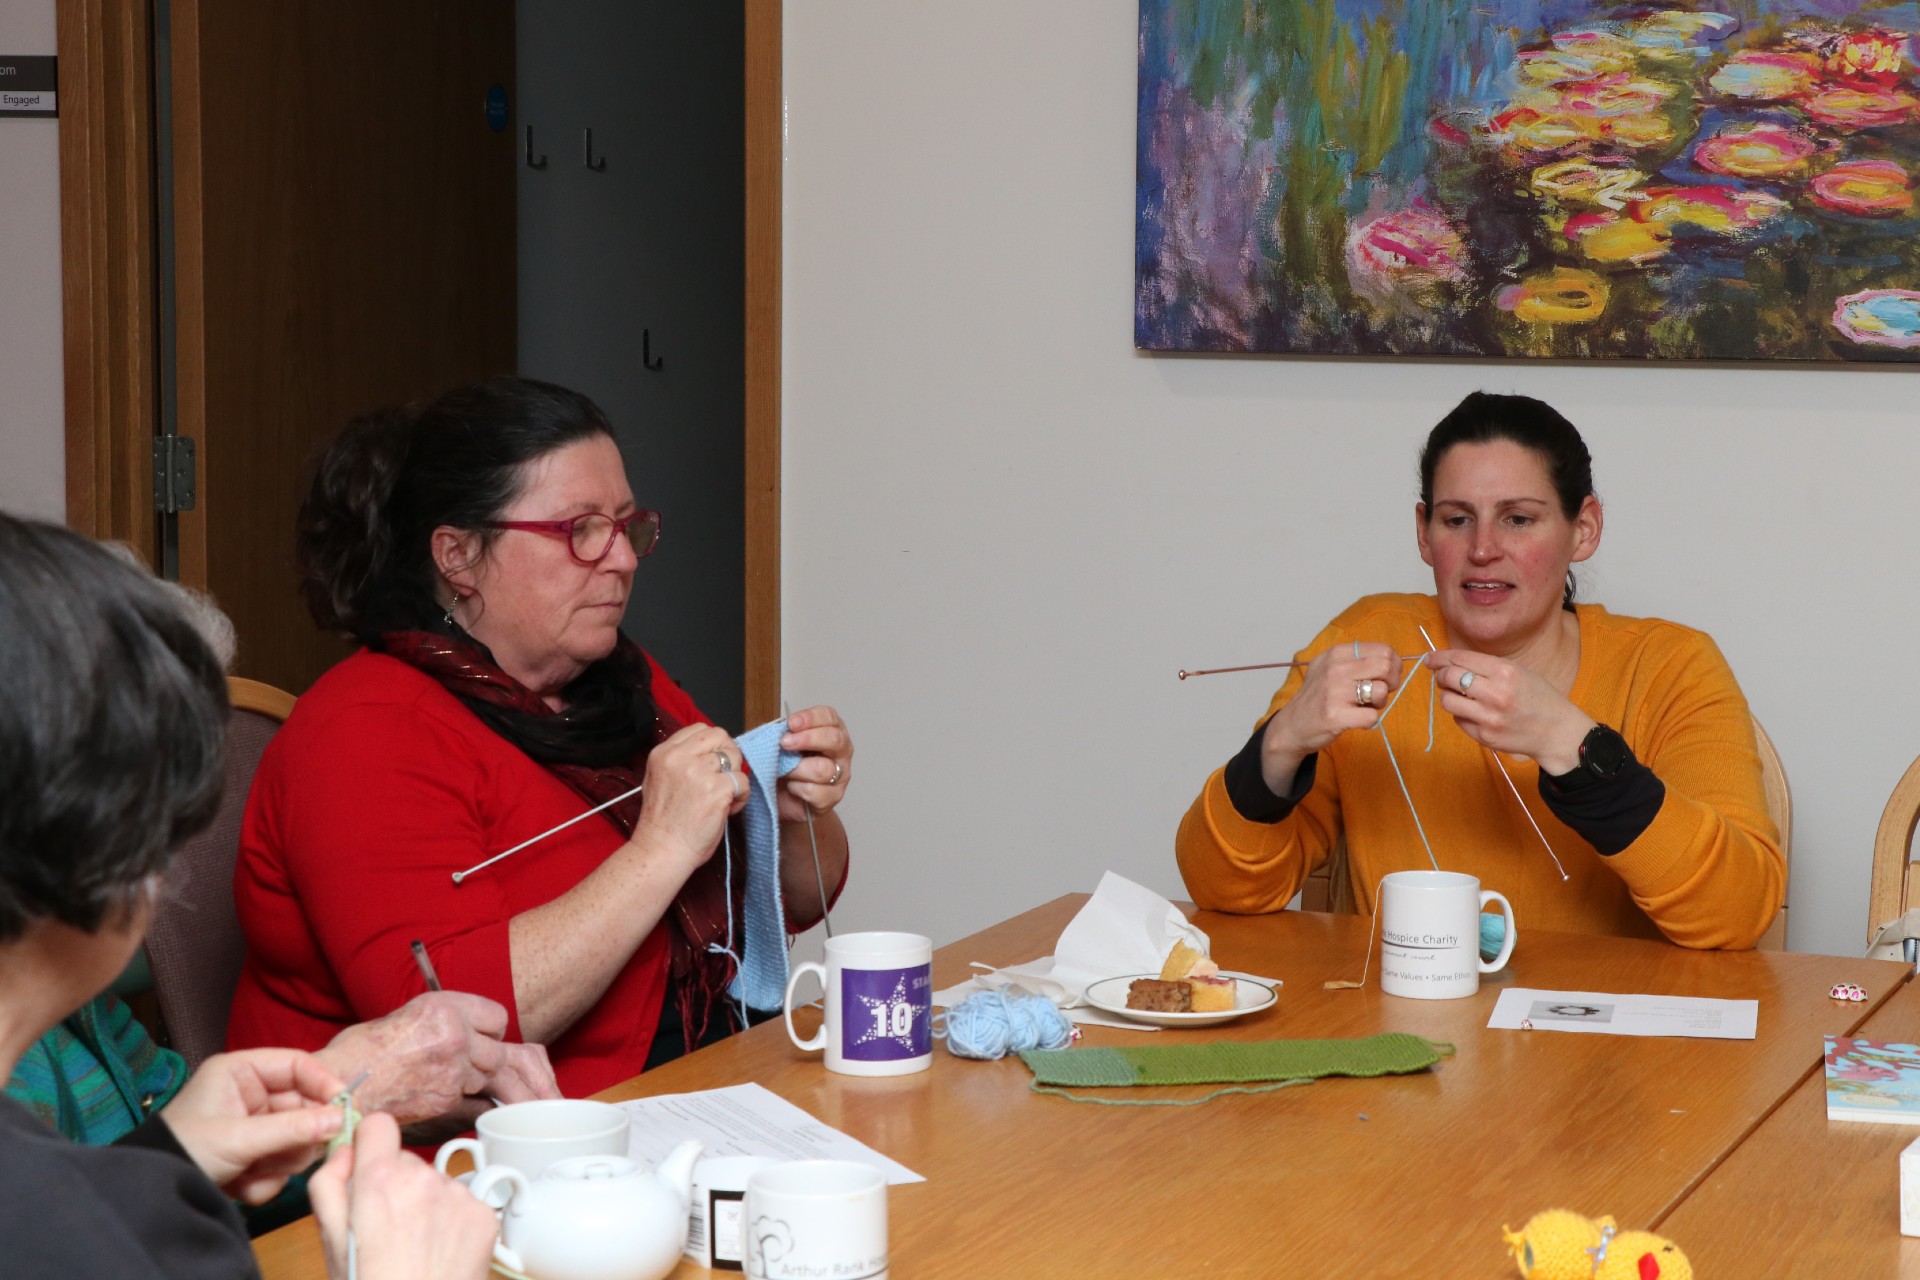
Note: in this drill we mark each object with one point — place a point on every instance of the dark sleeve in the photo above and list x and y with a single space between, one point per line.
1247 786
154 1135
1613 812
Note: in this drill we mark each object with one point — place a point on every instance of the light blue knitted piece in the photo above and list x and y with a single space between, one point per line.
761 981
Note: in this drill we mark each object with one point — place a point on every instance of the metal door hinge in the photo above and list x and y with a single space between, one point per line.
173 477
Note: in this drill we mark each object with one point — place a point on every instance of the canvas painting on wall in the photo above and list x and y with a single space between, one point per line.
1733 180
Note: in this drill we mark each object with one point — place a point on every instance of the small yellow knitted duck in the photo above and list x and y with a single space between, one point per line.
1558 1244
1562 1245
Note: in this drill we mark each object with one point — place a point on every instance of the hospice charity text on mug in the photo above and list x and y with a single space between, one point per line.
879 1004
817 1220
1430 934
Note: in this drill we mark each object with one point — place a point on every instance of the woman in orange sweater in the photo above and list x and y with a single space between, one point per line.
1627 739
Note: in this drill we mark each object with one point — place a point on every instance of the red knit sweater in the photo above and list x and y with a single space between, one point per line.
377 789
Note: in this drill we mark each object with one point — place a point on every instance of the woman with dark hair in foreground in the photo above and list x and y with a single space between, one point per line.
112 751
1628 737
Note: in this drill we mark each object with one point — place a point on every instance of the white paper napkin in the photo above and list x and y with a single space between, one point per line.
1125 928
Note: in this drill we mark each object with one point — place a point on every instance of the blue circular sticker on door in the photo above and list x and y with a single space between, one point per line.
497 107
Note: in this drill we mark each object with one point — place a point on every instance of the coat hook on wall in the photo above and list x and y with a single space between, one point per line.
595 165
541 163
647 357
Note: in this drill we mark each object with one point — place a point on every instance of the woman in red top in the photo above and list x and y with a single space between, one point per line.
482 548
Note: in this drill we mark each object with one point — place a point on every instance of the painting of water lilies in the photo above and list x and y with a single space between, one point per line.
1727 180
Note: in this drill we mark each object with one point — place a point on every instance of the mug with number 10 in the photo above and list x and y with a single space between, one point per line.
879 1004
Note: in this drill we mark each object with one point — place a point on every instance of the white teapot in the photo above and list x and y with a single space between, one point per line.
594 1217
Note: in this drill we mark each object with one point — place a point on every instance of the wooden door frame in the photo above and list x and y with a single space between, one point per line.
765 153
110 309
107 290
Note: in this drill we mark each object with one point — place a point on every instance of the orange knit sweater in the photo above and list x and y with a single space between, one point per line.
1708 872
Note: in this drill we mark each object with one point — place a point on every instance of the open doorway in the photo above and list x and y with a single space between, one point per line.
276 216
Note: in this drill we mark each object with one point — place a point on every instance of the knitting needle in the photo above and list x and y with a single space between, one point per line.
426 965
786 713
353 1245
1516 791
458 876
1271 666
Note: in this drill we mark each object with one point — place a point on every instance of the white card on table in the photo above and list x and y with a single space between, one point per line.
1609 1014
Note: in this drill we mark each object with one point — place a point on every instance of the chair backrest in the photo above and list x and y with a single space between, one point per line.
1892 891
1329 887
194 943
1773 777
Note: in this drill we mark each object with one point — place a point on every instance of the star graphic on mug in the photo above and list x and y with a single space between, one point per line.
888 1018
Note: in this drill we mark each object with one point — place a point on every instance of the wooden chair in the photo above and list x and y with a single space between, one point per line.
1893 891
1773 777
1330 887
194 943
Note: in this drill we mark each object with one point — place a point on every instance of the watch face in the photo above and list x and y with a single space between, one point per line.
1603 752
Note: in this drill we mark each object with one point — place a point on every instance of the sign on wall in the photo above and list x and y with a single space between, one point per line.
27 85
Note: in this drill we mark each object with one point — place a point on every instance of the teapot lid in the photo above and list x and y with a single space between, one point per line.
591 1169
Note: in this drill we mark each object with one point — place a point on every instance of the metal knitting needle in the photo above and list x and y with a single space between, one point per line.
1272 666
353 1245
786 713
458 876
1501 764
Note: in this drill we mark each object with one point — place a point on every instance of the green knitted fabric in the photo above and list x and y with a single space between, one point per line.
1392 1053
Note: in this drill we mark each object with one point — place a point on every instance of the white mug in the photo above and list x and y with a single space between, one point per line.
716 1233
529 1136
1430 934
879 1005
809 1219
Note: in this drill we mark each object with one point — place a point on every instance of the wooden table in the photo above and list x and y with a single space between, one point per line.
1824 1194
1409 1175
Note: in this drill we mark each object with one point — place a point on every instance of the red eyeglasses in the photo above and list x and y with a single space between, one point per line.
590 537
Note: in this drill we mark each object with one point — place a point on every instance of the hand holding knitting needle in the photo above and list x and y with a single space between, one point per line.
1344 688
818 782
1508 707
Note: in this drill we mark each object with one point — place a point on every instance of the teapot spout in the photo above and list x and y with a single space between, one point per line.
676 1171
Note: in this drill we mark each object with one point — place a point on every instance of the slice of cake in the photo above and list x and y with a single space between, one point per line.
1180 962
1151 995
1212 993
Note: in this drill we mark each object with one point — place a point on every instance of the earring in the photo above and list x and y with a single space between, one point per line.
454 603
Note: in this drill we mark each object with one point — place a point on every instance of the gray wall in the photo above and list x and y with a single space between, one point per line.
1004 530
33 468
652 242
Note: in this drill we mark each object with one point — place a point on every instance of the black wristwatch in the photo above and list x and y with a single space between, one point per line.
1603 754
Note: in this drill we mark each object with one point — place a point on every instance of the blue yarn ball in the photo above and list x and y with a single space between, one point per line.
1493 935
992 1024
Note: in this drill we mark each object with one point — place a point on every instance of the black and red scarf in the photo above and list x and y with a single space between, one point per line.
598 746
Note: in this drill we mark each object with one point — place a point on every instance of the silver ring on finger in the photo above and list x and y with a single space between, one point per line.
839 769
1466 681
726 764
1363 692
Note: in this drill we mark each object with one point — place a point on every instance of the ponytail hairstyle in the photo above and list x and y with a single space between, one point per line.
363 542
1532 424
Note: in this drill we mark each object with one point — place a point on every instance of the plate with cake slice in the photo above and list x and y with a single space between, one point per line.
1183 1002
1189 991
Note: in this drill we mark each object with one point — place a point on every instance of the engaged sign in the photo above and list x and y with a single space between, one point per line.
27 85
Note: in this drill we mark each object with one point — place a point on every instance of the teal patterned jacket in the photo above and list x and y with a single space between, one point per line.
98 1075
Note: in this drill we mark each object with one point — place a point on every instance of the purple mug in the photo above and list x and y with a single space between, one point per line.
879 1005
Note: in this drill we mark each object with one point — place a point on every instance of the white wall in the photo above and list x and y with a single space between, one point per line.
1005 530
32 397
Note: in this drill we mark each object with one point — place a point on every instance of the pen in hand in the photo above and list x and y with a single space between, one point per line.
433 983
426 965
